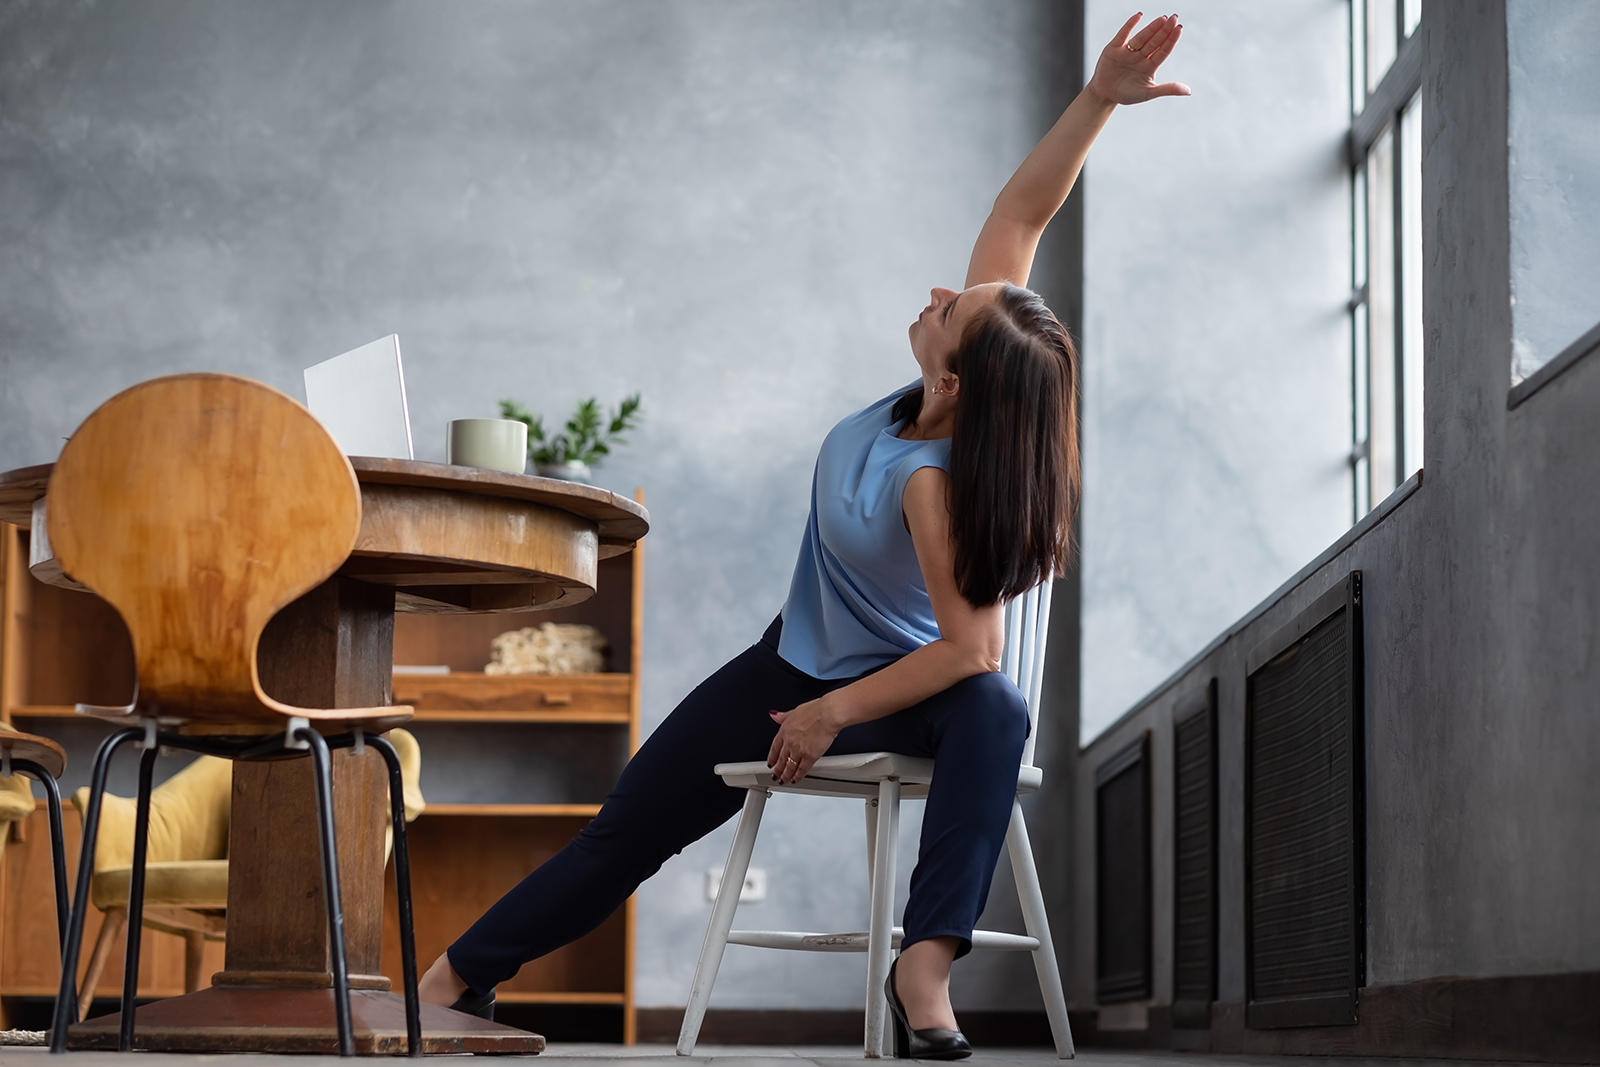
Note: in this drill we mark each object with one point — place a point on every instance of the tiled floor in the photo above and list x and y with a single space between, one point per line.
727 1056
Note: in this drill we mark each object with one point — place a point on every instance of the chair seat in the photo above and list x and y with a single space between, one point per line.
188 884
855 775
269 720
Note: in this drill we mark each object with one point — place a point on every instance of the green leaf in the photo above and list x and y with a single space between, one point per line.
589 433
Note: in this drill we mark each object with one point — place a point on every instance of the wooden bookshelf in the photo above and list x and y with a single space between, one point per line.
587 811
468 851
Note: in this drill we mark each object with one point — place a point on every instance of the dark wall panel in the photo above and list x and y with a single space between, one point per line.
1304 819
1122 828
1194 949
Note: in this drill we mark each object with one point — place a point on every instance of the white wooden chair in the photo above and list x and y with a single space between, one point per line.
883 779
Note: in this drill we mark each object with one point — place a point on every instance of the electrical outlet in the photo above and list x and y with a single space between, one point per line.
753 892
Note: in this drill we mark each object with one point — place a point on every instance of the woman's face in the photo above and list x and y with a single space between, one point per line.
937 331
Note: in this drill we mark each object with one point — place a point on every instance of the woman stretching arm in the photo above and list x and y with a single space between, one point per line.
930 509
970 639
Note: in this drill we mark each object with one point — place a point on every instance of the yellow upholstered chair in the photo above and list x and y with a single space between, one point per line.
186 870
40 758
16 797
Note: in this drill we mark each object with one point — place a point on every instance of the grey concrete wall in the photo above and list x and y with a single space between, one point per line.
1555 176
735 209
1217 356
1481 595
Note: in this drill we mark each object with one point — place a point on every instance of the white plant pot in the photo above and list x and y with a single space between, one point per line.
571 471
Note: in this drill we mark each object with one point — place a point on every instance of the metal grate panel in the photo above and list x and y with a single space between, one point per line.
1122 875
1304 822
1195 868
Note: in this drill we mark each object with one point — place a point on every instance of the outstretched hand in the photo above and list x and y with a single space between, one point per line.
1125 71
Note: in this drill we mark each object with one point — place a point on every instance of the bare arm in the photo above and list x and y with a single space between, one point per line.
970 642
1124 74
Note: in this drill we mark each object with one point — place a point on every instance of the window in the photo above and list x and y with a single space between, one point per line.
1386 268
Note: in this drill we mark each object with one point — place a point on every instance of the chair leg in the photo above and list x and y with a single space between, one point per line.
872 840
323 773
716 942
880 929
194 959
141 849
110 927
1026 875
402 885
66 994
58 843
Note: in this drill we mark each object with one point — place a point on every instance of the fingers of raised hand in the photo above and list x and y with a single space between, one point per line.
1148 41
1165 47
1140 40
1127 27
1170 89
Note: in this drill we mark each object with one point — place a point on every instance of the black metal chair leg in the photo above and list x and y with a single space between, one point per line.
402 885
141 849
58 842
330 879
66 1008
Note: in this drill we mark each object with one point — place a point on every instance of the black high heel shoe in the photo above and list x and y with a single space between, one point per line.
479 1004
930 1044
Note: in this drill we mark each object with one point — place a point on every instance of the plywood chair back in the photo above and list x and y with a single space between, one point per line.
199 505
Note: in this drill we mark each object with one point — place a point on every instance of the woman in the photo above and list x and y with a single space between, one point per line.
929 509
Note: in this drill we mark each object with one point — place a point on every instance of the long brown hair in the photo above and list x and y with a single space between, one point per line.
1014 478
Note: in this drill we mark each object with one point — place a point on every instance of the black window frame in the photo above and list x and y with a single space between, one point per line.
1380 113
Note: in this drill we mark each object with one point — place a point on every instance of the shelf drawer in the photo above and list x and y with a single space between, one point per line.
473 697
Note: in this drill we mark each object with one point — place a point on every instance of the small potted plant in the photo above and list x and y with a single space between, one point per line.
586 439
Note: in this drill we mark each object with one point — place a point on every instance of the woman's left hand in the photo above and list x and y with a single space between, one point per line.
1125 72
804 734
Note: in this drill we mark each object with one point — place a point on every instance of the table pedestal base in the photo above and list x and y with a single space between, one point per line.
297 1019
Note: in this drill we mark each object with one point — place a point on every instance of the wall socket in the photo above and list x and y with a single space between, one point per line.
755 885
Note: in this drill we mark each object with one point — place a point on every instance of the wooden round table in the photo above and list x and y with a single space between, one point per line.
434 539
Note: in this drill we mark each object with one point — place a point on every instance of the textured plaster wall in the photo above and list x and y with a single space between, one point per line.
1482 626
735 209
1217 359
1555 176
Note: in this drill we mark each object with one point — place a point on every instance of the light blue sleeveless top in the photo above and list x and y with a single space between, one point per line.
857 600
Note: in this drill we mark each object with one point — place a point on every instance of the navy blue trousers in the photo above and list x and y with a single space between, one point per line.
668 797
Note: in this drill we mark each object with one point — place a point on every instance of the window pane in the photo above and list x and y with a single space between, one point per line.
1382 28
1362 469
1554 177
1413 15
1358 56
1382 448
1359 229
1411 282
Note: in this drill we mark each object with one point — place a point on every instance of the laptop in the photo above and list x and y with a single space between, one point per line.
360 398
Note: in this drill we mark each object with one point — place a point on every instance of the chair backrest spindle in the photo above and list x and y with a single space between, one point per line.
1027 630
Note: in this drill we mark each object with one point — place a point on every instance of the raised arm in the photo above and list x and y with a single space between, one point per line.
1124 74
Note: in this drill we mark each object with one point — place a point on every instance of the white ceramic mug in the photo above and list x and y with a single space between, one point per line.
494 444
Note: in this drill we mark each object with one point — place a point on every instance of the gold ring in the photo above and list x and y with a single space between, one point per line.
794 761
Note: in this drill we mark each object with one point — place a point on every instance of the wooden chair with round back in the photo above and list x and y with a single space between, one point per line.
198 506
